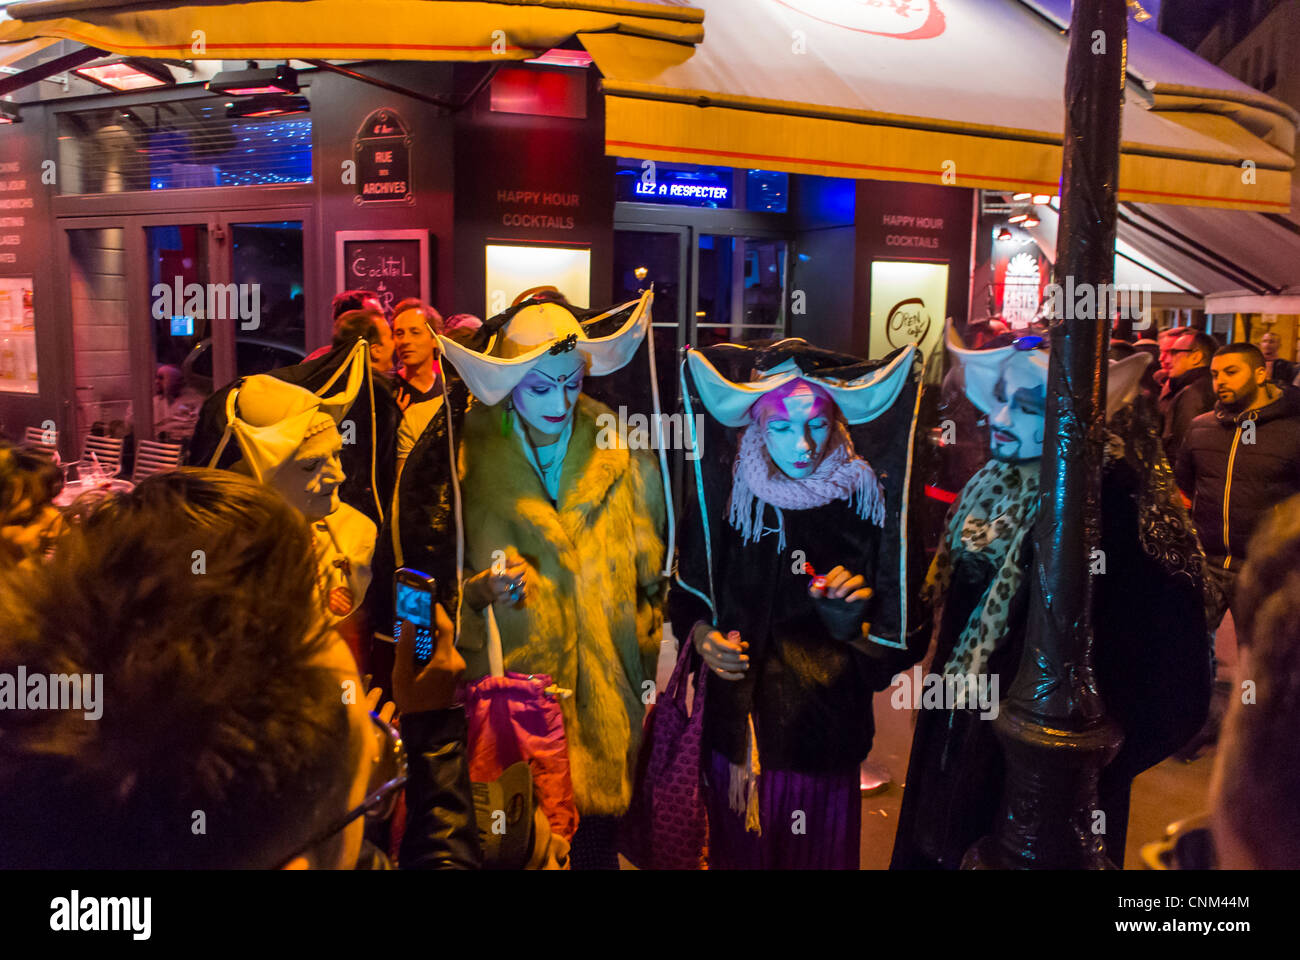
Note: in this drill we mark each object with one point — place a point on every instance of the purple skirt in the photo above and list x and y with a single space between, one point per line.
810 821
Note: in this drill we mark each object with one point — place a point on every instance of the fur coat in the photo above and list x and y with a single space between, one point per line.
593 614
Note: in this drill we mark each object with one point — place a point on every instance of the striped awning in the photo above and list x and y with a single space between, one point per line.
347 29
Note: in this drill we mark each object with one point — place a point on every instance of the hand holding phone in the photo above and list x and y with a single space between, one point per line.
417 689
413 592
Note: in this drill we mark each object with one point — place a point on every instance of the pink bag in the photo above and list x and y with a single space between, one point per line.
512 718
666 827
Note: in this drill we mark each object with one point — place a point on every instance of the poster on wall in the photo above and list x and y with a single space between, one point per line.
514 268
393 263
17 336
907 306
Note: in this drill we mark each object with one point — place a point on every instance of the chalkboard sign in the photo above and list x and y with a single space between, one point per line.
393 263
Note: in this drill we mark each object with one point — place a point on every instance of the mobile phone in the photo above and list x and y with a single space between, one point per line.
414 591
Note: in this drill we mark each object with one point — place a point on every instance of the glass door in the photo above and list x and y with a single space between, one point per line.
655 255
180 343
741 288
268 269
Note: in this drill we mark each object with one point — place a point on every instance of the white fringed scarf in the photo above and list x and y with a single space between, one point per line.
756 482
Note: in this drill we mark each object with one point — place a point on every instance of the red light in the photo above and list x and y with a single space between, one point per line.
252 91
541 93
120 76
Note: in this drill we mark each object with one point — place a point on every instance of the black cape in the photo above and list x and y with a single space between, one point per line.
810 691
1152 658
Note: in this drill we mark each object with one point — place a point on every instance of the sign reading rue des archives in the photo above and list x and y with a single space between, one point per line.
383 151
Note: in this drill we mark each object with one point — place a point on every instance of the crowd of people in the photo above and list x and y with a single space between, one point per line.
234 620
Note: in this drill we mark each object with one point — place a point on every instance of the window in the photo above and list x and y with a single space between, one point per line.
177 145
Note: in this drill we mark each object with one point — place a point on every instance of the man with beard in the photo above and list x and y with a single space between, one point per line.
1151 658
1238 462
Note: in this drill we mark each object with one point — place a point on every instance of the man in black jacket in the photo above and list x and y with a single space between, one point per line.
1188 392
1238 462
213 723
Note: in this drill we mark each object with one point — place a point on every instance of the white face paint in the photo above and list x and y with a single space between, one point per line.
310 480
797 441
1016 425
547 397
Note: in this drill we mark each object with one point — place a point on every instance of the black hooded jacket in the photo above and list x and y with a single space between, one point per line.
1236 472
1189 396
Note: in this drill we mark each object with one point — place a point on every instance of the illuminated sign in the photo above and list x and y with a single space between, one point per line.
659 183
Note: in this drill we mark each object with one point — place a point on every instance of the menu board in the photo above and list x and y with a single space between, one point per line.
393 263
17 336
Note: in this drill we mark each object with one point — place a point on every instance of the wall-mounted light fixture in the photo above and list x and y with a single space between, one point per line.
129 73
255 81
268 105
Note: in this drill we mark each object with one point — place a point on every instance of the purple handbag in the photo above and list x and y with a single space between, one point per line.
666 826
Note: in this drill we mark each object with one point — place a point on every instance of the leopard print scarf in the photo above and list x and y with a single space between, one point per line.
996 510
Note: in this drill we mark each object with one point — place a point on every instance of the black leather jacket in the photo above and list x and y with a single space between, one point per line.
441 833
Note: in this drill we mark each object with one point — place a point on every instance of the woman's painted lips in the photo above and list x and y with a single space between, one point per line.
554 419
1001 436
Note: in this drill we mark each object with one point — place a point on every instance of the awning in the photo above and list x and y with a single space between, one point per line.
963 92
1242 302
1220 251
19 51
1232 261
1132 267
348 29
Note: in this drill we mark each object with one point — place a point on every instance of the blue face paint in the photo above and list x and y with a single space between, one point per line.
1016 425
548 396
797 441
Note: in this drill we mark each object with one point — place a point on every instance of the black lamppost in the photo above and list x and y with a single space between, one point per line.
1053 729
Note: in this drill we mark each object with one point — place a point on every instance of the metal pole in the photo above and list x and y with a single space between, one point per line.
1054 731
69 61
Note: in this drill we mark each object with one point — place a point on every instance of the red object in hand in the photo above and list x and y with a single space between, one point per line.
818 583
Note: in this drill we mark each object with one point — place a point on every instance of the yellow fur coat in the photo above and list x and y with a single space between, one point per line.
593 615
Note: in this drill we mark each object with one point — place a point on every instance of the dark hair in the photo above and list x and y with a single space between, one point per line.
1260 754
351 300
1202 342
1248 350
215 710
1121 349
542 294
431 316
354 324
26 475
